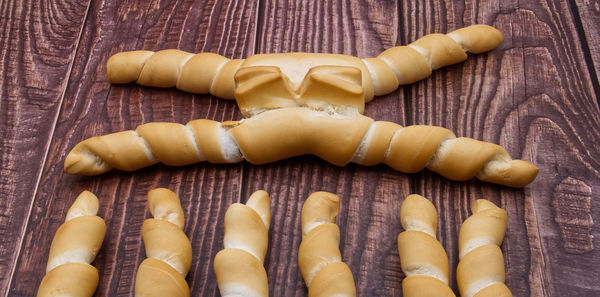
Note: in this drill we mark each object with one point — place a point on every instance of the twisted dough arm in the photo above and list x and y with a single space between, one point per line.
480 271
403 65
195 73
211 73
168 249
293 132
75 245
423 258
319 256
239 266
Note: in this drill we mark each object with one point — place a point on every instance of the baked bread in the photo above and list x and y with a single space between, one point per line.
319 256
480 271
75 245
168 249
289 132
423 258
239 266
268 81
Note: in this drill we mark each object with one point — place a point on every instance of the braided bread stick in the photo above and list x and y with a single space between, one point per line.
423 258
75 245
293 132
480 271
168 249
239 267
319 256
268 81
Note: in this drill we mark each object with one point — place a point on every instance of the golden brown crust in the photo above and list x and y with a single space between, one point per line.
182 147
462 162
480 271
71 279
439 50
384 79
198 73
477 39
260 202
245 229
240 274
86 204
82 236
412 147
319 257
418 213
321 210
334 279
480 268
513 173
495 290
260 88
126 67
166 241
163 68
379 142
122 150
292 132
168 249
164 205
239 266
419 251
283 133
416 61
408 64
318 249
422 256
487 225
207 138
296 66
155 278
267 81
75 245
425 286
223 85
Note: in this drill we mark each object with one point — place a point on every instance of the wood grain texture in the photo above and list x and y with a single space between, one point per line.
38 43
572 204
587 18
92 106
536 95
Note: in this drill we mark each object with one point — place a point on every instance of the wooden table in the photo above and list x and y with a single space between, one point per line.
537 95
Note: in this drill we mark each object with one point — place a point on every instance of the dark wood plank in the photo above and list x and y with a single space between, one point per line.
533 95
38 43
587 15
93 107
370 196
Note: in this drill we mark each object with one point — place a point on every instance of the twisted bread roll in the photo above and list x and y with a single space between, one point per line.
239 267
319 256
268 81
168 249
75 245
293 132
480 271
423 258
416 61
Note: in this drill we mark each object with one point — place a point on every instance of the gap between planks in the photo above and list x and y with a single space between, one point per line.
46 151
585 46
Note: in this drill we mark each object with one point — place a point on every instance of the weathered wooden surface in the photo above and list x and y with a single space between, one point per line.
586 18
37 50
537 95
